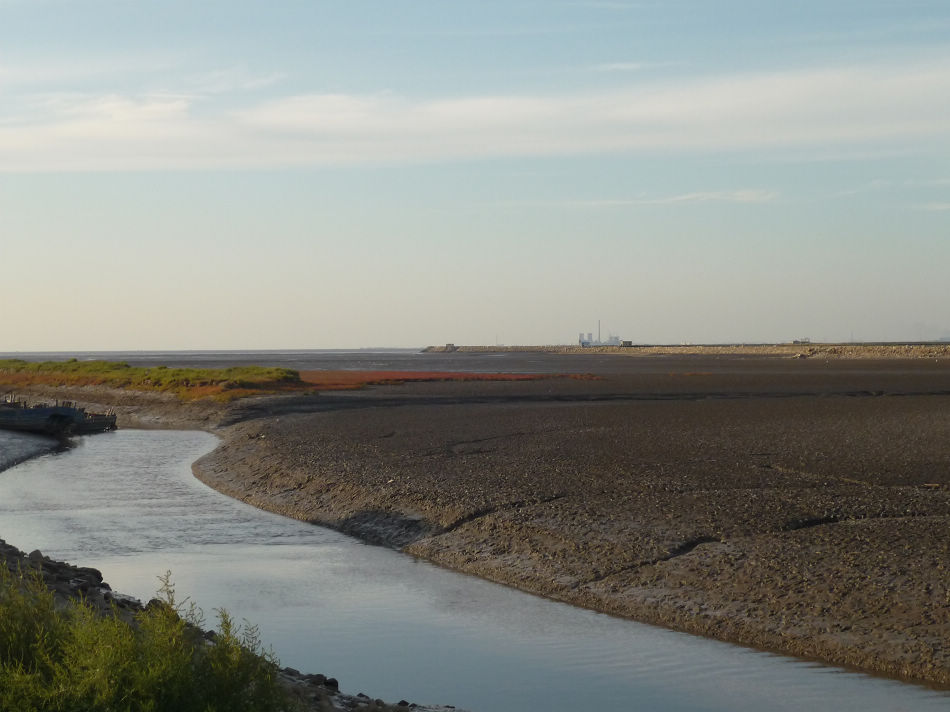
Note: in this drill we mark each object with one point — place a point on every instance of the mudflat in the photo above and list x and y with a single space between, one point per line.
799 505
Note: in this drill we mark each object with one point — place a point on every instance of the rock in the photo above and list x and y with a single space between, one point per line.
93 574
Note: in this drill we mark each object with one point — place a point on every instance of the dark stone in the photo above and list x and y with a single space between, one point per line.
332 683
93 574
157 604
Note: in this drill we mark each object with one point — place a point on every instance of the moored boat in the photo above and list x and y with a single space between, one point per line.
59 420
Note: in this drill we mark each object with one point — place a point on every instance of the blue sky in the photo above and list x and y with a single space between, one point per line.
345 174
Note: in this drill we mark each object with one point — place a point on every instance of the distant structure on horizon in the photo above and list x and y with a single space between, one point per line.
588 339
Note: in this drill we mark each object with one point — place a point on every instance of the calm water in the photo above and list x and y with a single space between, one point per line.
381 622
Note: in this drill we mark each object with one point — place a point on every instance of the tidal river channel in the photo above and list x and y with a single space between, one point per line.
381 622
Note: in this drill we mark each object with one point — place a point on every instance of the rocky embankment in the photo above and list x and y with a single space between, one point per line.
65 581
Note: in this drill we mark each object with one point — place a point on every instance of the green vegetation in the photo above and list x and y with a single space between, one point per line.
223 383
75 658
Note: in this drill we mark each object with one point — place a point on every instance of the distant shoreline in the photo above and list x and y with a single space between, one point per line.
915 350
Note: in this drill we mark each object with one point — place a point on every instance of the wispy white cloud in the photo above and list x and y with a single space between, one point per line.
894 107
31 74
607 5
750 196
871 186
232 79
935 207
632 66
881 184
879 33
146 69
742 196
619 67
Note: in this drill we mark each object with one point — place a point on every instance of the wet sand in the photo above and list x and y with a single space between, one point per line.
791 505
795 505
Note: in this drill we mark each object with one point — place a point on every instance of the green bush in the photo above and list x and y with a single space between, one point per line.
71 658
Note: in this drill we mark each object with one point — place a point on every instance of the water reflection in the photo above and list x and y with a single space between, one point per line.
384 623
15 447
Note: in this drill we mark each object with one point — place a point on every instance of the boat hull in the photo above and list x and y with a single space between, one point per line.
57 420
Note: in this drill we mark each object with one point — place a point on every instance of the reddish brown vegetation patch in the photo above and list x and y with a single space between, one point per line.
346 380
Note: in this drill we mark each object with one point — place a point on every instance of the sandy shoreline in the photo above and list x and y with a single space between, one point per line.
788 505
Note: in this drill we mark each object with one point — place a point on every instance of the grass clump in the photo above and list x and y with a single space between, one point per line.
72 657
187 383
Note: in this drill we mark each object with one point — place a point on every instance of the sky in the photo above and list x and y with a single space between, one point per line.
330 174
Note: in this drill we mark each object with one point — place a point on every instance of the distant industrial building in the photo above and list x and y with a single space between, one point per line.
586 340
